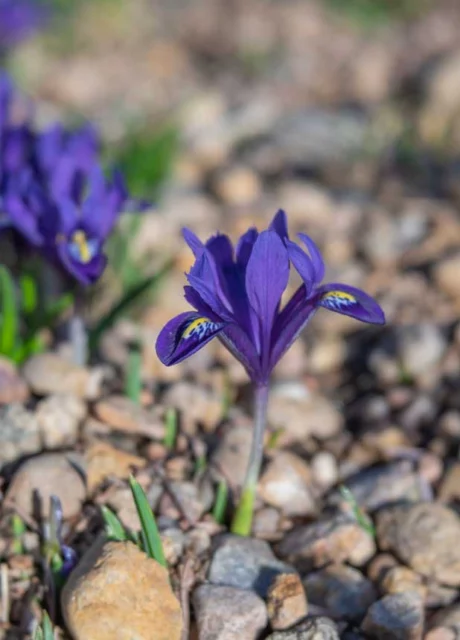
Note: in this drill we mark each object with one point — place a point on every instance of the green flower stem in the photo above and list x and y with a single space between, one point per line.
242 519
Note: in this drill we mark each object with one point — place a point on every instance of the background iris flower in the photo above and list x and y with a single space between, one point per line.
236 294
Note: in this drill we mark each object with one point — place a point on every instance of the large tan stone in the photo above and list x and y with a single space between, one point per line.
117 593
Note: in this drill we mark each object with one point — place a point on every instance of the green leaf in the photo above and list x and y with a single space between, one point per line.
361 518
220 504
170 428
150 534
146 159
123 305
29 293
44 631
133 380
113 527
9 313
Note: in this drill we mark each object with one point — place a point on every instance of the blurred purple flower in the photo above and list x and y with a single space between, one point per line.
19 19
238 298
54 193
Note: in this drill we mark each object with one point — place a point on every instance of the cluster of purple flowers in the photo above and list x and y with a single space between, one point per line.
19 19
54 193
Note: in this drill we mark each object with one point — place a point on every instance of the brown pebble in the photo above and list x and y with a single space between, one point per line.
286 601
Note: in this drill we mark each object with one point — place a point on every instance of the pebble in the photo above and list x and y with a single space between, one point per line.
232 453
446 275
245 563
238 186
302 418
395 617
421 348
286 485
116 591
344 591
190 500
59 418
19 433
122 414
378 486
49 373
104 461
324 469
173 541
46 475
401 579
196 404
448 617
12 387
316 629
327 355
226 613
286 601
450 486
336 539
266 524
425 536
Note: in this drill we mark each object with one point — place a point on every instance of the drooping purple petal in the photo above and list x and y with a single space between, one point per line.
279 224
267 275
303 264
349 301
193 242
184 335
22 219
316 257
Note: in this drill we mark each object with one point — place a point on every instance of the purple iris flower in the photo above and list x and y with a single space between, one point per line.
237 295
19 19
74 217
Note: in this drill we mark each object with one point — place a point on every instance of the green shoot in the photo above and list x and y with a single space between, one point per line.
200 464
149 531
220 504
44 631
273 438
18 529
9 313
170 428
361 518
29 294
113 527
133 381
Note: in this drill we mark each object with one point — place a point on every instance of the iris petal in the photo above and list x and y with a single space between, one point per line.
304 265
350 301
184 335
279 224
316 257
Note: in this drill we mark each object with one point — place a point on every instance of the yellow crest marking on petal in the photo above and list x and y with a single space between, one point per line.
341 295
81 243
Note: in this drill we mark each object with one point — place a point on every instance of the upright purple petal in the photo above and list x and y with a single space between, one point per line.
267 275
316 257
279 224
349 301
193 242
303 264
245 246
184 335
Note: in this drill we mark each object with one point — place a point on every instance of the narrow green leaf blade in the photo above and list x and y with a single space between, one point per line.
9 313
113 527
150 533
220 504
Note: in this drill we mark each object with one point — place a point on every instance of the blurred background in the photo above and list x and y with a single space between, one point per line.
345 114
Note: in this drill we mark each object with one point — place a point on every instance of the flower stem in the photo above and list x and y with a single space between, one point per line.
242 519
77 334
